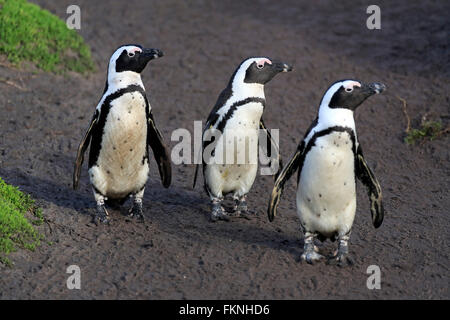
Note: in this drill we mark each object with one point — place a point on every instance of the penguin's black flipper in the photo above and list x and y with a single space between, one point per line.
271 142
366 176
195 176
82 149
160 152
284 176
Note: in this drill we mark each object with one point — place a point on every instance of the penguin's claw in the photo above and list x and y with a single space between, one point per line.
311 257
137 212
245 214
219 216
341 260
101 215
218 213
241 208
341 257
310 251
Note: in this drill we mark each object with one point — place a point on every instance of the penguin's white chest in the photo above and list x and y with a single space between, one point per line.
326 195
236 153
121 168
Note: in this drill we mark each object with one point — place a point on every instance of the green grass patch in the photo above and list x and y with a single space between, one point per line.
18 215
428 130
29 33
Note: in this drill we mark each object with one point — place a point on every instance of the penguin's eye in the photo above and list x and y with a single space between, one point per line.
131 54
260 66
349 89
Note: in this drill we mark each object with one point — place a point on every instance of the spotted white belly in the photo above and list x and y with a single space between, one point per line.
120 168
236 153
326 195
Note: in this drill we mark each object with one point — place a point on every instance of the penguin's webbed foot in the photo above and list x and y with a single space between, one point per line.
310 251
341 260
218 212
241 207
341 257
311 255
101 215
137 211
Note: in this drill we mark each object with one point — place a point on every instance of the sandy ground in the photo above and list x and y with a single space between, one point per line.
177 253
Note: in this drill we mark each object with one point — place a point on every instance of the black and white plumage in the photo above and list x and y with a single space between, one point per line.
119 134
329 160
237 116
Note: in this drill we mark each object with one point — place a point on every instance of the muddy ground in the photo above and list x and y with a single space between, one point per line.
177 253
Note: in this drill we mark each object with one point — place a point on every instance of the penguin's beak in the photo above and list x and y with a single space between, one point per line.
282 67
150 54
375 87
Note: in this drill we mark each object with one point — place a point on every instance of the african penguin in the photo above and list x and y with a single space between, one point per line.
119 133
329 160
237 117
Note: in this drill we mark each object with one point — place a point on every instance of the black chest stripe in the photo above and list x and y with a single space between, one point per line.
229 114
234 107
312 143
98 131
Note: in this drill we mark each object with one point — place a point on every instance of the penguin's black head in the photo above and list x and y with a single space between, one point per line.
349 94
133 58
262 70
258 70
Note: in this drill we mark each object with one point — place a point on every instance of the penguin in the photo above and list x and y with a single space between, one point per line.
227 162
329 159
119 133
